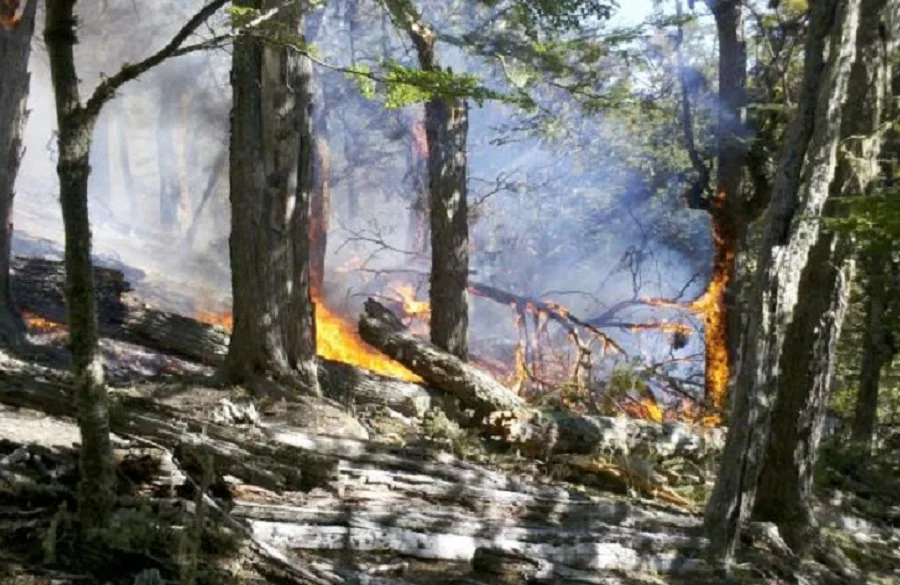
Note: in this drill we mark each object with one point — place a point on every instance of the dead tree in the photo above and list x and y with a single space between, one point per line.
76 121
446 129
803 180
271 181
15 50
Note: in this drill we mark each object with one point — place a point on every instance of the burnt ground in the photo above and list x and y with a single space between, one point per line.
395 478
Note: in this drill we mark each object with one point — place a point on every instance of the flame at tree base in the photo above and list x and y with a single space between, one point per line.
336 339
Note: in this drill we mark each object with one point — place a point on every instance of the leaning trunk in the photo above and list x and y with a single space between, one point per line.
877 350
271 168
15 50
74 139
809 154
446 126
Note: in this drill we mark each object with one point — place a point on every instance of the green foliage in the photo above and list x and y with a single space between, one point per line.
550 17
872 217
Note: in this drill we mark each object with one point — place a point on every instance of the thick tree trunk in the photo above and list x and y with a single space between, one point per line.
808 354
15 51
74 138
878 348
810 152
784 495
447 126
271 180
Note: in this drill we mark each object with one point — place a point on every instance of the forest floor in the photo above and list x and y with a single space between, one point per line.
225 485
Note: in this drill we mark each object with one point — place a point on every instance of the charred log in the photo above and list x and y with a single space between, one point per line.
508 418
40 284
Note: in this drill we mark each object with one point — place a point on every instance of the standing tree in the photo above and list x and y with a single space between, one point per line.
17 20
805 172
76 121
808 357
446 129
271 180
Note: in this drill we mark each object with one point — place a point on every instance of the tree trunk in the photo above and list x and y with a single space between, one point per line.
76 126
447 125
446 130
320 205
271 180
808 354
15 50
878 347
810 152
726 209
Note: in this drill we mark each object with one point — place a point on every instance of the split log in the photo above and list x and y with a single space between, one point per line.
38 287
509 418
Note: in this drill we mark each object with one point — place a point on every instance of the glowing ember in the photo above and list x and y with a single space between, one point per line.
38 324
11 12
336 339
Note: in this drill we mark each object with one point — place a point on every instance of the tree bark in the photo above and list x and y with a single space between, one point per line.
446 130
808 355
75 127
810 153
878 347
320 206
271 179
15 51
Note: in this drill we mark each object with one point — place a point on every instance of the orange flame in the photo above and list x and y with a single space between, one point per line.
336 339
412 307
38 324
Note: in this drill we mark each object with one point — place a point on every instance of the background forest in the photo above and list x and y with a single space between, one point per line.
646 249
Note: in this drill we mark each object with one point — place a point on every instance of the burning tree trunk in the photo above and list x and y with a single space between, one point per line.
809 153
878 347
75 126
15 50
446 128
271 180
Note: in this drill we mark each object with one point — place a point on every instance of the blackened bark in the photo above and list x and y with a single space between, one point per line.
878 346
809 153
271 180
15 51
75 128
446 130
729 219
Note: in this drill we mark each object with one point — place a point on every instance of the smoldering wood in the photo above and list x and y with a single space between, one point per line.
39 285
508 418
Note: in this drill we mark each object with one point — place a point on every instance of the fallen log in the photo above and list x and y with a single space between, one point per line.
508 418
38 287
